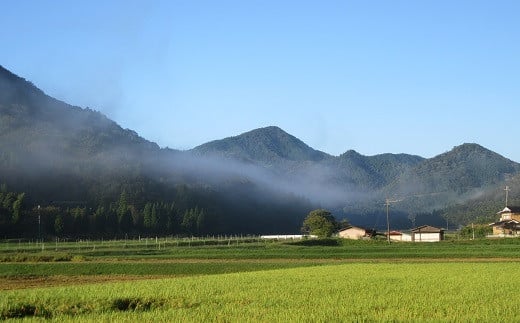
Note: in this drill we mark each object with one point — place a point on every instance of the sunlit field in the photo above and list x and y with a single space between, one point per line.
331 280
347 292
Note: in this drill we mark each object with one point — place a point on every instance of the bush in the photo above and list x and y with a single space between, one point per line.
316 242
135 304
24 310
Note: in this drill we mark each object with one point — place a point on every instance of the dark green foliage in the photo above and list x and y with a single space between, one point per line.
58 225
477 231
135 304
316 242
320 223
17 208
201 216
193 220
24 310
148 221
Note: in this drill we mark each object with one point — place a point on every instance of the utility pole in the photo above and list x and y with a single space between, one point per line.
507 193
39 225
387 220
387 203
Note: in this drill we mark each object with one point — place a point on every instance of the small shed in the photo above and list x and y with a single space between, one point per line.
400 236
356 233
427 233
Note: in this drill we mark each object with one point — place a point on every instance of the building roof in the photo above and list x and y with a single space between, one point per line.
510 209
505 223
395 233
427 229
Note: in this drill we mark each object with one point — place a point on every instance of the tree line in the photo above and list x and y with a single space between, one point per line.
20 219
189 212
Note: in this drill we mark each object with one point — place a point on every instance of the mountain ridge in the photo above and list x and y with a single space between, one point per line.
56 151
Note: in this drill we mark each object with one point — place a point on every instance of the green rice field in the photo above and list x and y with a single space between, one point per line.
329 281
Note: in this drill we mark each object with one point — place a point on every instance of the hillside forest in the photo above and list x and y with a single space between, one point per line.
67 171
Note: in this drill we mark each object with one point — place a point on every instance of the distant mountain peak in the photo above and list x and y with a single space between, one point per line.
470 150
268 144
351 152
470 147
270 128
271 131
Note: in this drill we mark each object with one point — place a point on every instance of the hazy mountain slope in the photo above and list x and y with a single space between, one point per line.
46 143
390 166
372 172
34 123
458 176
55 151
26 109
103 179
350 175
460 170
483 207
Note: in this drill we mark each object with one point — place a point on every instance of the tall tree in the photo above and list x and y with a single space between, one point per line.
320 223
58 225
147 216
17 207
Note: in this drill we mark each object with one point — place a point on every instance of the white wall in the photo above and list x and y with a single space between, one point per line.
406 237
426 237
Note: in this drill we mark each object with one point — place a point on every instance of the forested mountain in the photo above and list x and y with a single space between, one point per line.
91 177
350 174
454 177
356 186
483 207
462 169
458 186
269 146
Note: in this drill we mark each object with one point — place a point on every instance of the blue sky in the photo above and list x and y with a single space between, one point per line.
417 77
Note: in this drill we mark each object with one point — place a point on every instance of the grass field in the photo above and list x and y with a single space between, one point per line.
254 249
258 281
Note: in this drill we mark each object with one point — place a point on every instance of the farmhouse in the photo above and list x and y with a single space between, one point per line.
509 223
399 236
356 233
426 233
